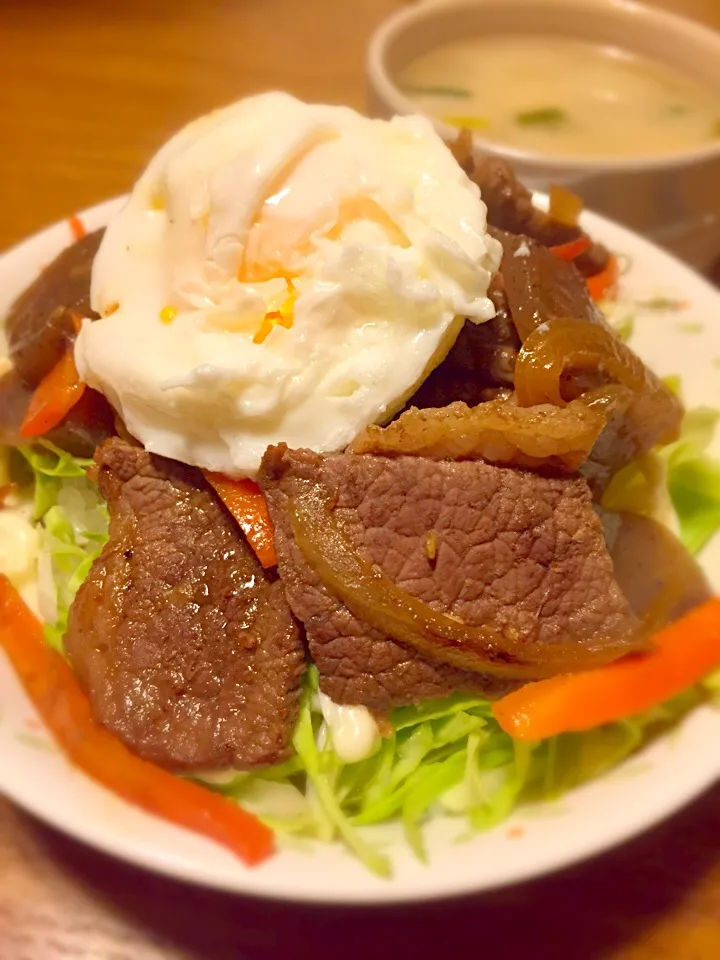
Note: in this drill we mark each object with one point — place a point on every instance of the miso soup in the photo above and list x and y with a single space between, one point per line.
563 96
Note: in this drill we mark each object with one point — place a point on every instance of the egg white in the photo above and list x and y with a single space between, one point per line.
362 236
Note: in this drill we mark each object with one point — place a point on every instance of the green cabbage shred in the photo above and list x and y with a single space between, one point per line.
686 471
73 524
444 757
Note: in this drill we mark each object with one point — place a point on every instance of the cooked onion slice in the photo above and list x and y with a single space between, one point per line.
498 431
565 206
552 349
560 344
373 598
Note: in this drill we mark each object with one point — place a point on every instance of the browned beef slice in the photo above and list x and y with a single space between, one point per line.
39 323
481 362
513 549
510 208
509 203
186 647
39 327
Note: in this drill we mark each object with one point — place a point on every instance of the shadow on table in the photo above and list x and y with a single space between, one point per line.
584 913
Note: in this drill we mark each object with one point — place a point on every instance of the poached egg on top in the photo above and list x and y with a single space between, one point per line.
283 272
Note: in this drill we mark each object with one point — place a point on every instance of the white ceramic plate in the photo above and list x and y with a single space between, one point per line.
637 795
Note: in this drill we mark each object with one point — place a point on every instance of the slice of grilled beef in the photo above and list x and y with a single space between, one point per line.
511 208
40 322
40 326
481 363
184 644
513 549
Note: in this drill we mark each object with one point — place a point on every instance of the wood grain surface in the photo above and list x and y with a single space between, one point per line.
87 91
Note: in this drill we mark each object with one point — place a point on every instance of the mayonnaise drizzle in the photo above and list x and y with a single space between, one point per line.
20 549
353 730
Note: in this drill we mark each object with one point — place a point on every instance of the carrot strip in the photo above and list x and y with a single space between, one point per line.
54 398
246 503
684 652
572 249
264 330
77 227
52 687
603 286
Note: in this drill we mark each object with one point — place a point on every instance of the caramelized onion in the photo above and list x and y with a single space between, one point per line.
651 410
541 288
373 598
565 206
498 431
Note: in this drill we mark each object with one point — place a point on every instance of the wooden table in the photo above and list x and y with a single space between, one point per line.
87 91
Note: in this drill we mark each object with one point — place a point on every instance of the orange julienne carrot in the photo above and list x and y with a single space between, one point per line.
572 249
77 227
52 687
603 286
684 652
55 396
245 501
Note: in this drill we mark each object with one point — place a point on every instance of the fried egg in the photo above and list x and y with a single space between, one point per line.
283 272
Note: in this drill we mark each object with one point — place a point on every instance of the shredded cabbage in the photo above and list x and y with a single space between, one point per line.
678 485
73 523
444 757
694 479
